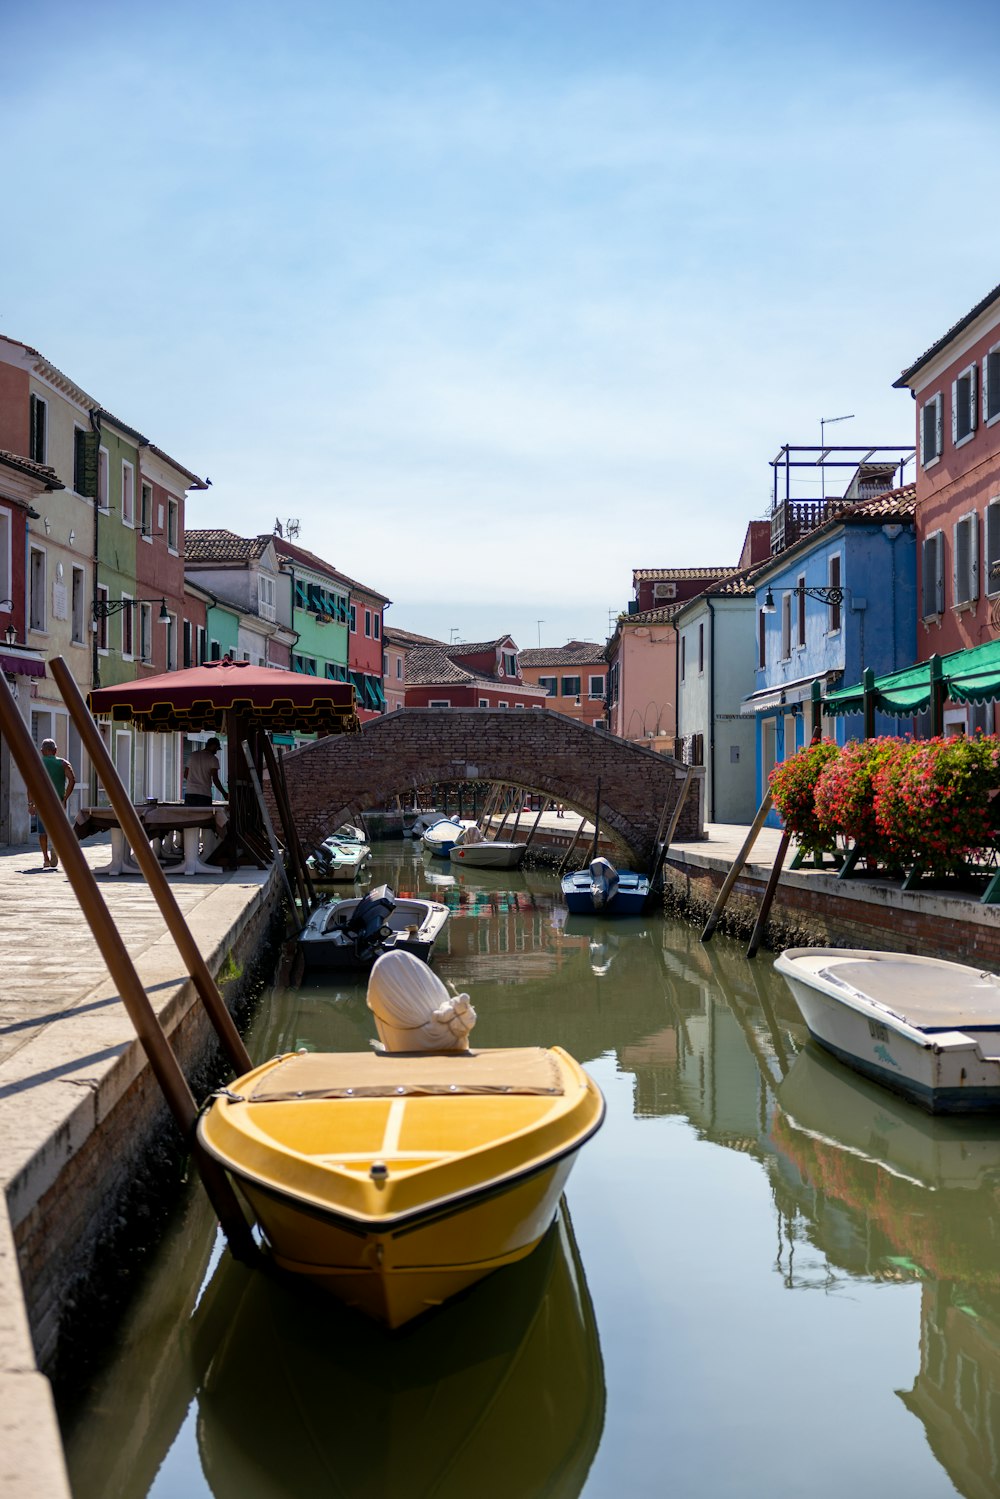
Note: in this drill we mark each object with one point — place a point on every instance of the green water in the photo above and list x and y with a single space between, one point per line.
770 1278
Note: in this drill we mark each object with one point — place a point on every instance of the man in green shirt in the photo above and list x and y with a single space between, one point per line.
63 777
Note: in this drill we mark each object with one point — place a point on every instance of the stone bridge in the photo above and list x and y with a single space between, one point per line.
537 750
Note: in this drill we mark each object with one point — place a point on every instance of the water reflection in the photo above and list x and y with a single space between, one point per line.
892 1193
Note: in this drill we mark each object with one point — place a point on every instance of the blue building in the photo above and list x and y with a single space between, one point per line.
866 554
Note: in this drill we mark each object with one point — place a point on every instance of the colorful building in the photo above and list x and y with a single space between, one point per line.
486 674
396 646
573 675
245 577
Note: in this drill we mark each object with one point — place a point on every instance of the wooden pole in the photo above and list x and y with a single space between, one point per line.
292 844
757 935
597 821
164 1064
734 873
663 846
569 852
135 835
268 824
534 825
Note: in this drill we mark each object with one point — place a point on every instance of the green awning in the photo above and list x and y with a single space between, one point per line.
969 676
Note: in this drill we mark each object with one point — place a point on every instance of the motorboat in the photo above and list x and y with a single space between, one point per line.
353 933
336 863
396 1178
603 890
423 821
477 852
348 833
926 1028
440 839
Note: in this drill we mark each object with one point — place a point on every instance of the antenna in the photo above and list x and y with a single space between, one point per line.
539 623
454 635
827 421
292 529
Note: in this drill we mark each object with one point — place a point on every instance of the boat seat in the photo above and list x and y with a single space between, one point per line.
515 1070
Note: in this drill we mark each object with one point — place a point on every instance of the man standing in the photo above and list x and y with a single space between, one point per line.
63 777
201 774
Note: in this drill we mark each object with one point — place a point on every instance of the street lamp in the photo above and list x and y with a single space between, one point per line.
827 595
104 608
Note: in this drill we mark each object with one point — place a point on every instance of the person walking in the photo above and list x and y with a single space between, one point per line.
63 777
202 773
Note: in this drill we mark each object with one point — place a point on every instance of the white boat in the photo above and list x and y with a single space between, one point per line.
483 855
338 863
425 820
353 933
348 832
923 1027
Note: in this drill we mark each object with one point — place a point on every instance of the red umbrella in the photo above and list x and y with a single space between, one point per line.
202 697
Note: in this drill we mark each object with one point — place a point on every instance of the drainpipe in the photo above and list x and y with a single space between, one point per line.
95 632
711 706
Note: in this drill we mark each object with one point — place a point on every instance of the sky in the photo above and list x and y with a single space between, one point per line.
498 299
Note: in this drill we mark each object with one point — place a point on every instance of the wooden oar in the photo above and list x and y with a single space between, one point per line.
162 1060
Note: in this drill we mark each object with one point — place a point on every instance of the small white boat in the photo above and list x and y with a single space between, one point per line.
423 821
925 1028
475 851
348 832
353 933
336 863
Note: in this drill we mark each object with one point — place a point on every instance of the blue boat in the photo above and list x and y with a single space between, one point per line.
603 890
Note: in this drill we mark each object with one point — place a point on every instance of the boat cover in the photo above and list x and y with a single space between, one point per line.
413 1010
603 882
927 995
363 1074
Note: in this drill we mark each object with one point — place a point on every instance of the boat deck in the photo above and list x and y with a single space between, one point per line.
928 994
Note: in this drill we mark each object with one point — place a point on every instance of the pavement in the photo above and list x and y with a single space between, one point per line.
67 1052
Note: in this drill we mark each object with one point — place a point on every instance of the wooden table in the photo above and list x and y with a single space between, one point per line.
158 820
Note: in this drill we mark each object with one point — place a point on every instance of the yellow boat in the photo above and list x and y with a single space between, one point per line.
397 1180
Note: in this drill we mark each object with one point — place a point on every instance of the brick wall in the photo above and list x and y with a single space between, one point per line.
536 750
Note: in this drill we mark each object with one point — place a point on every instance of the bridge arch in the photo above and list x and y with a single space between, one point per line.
536 750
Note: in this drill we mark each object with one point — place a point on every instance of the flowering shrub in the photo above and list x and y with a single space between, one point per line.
845 795
793 787
933 802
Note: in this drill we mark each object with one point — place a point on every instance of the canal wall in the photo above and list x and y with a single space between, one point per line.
812 907
89 1159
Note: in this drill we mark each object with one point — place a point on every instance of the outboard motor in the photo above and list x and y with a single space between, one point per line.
370 916
603 883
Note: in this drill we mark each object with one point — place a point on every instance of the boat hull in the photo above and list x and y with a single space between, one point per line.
396 1181
414 927
489 855
943 1071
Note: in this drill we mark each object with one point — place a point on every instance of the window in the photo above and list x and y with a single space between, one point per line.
188 652
701 647
36 429
438 702
102 479
145 632
377 624
266 596
85 462
128 627
965 556
354 620
786 626
991 386
173 524
502 704
128 494
78 609
171 634
570 686
761 638
834 576
368 623
800 599
202 637
992 540
550 684
964 406
683 658
596 687
5 559
102 620
509 663
399 668
932 575
484 702
930 431
37 616
215 651
146 511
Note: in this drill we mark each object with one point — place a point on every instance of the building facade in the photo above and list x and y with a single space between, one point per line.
573 675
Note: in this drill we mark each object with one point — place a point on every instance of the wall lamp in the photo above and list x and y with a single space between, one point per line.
824 595
104 608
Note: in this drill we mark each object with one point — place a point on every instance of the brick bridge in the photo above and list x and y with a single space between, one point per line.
536 750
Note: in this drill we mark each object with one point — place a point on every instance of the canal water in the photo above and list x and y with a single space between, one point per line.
768 1278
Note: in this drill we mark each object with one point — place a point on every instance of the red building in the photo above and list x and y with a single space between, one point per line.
956 390
486 674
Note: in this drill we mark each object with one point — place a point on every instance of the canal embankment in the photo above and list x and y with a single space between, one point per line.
813 907
89 1157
